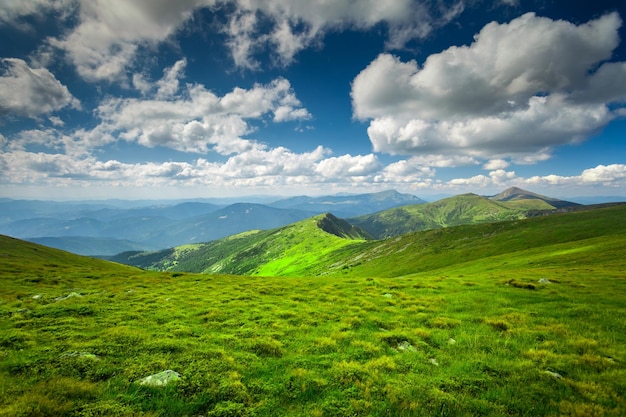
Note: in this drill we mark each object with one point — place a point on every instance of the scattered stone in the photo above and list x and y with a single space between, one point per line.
387 295
405 346
451 341
553 374
77 354
160 379
70 295
36 296
544 281
433 361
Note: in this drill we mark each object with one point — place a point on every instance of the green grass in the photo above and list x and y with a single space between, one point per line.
452 211
468 330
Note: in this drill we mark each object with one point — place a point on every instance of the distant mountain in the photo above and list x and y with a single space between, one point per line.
90 246
349 205
227 221
525 199
599 199
270 252
147 227
306 248
511 204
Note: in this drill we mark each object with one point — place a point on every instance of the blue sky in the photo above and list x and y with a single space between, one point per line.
215 98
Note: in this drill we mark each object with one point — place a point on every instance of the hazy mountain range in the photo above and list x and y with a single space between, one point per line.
104 228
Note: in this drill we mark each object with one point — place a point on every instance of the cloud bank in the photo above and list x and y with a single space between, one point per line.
521 88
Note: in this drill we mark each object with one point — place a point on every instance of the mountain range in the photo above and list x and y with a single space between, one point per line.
513 203
110 227
327 245
295 248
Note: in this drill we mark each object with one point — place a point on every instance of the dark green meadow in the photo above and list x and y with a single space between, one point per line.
536 329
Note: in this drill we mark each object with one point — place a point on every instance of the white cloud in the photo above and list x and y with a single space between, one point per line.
140 83
605 174
106 39
168 85
496 164
39 90
107 34
197 120
520 88
349 166
11 11
56 121
296 25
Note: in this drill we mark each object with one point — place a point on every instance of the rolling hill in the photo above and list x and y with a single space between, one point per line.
115 226
272 252
511 204
310 248
467 320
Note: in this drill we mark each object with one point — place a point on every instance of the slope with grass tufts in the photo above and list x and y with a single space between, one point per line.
521 318
282 251
511 204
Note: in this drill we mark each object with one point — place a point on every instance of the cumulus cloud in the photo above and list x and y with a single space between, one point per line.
105 41
349 166
521 87
296 25
196 119
39 90
496 164
107 35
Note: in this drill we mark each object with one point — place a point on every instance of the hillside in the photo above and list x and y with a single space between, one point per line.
511 204
525 199
273 252
88 227
452 211
499 314
307 249
46 267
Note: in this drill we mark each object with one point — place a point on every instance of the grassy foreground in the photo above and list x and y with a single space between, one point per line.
478 336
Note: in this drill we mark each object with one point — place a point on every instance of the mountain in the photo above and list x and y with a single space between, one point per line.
270 252
452 211
90 246
349 205
146 227
511 204
312 247
525 199
461 321
236 218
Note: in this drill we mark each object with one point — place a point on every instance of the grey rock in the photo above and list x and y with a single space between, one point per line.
160 379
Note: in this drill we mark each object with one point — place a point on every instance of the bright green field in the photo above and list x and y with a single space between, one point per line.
474 333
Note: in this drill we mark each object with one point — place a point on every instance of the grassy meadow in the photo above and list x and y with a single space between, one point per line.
531 324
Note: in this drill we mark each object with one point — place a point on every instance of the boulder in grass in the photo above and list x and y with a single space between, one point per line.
70 295
160 379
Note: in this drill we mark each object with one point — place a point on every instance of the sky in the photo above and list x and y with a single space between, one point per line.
137 99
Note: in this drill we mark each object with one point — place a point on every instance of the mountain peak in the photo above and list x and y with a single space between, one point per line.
340 228
515 193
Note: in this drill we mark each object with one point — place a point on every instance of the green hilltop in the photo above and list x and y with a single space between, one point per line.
280 252
511 204
517 318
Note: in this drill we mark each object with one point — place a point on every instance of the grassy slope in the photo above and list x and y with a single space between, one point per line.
433 249
282 251
473 333
453 211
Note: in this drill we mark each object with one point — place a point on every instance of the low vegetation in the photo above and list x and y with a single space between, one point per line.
522 318
454 211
